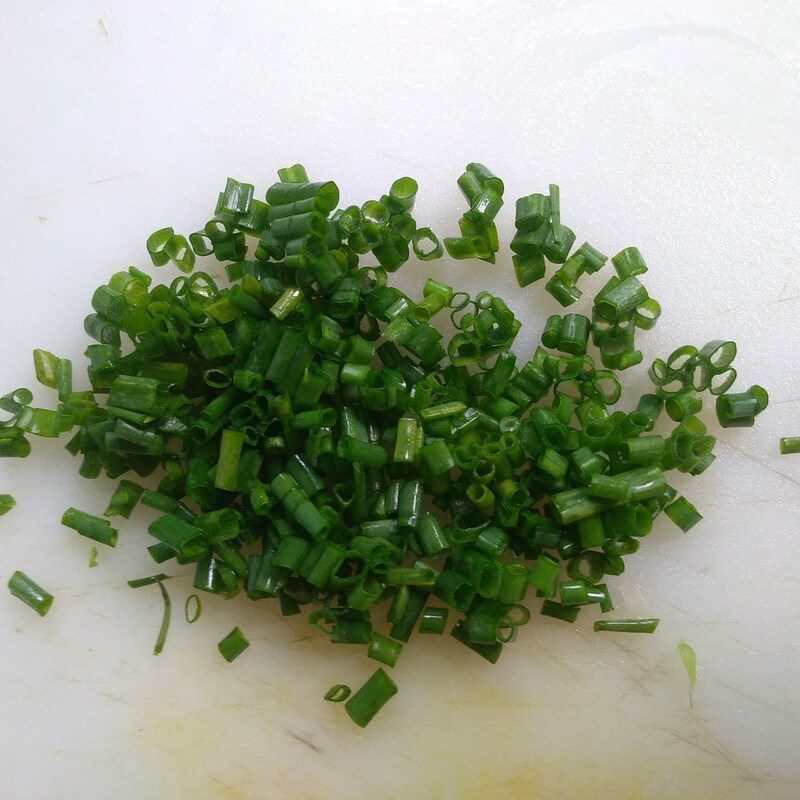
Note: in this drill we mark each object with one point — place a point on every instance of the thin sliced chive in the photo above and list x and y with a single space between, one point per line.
162 631
433 620
739 410
338 693
230 454
405 618
137 583
45 364
124 499
683 514
93 558
283 423
197 608
384 649
156 246
555 212
92 527
411 576
370 698
426 244
689 660
27 590
7 502
491 652
789 445
565 613
233 645
626 625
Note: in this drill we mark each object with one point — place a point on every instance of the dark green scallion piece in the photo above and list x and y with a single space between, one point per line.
790 445
370 698
92 527
7 502
338 693
27 590
626 625
233 645
124 499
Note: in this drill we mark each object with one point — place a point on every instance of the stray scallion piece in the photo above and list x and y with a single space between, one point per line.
193 603
27 590
689 661
789 445
739 410
233 645
626 625
124 499
338 693
371 698
92 527
383 649
683 514
162 631
7 502
93 558
317 438
138 583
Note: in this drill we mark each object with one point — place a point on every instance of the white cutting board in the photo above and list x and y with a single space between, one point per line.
672 126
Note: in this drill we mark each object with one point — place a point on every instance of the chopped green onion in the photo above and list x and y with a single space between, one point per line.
338 693
313 432
90 526
370 698
124 499
433 620
27 590
162 631
683 514
626 625
7 502
689 661
137 583
790 444
383 649
192 600
233 645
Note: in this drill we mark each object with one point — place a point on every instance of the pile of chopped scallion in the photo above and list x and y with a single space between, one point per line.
320 442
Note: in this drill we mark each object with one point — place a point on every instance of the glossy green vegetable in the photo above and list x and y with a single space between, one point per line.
317 437
27 590
164 629
371 698
338 693
626 625
192 601
7 502
233 645
689 661
90 526
124 499
790 445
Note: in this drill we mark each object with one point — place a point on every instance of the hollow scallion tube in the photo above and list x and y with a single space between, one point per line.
370 698
27 590
233 645
92 527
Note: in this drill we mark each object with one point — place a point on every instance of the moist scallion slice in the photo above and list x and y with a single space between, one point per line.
233 645
371 698
313 436
27 590
7 502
